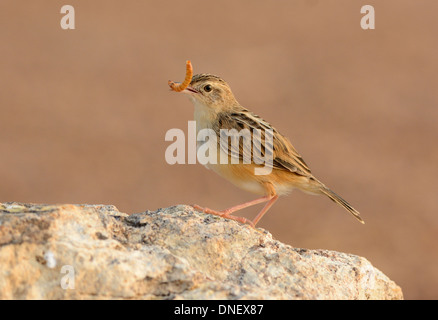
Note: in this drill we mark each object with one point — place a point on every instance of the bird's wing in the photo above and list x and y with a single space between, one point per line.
285 157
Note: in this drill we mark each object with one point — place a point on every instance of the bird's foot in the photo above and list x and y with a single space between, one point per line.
224 214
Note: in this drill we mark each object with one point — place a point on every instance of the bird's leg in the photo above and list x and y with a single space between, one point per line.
227 212
246 205
265 209
223 215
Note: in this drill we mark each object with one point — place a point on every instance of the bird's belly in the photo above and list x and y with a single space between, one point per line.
243 175
238 174
283 189
228 171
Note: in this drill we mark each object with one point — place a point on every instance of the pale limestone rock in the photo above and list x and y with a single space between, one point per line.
172 253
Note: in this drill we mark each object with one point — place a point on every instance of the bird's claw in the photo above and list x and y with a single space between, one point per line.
224 214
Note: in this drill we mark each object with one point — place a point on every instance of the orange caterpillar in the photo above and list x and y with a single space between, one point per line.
189 74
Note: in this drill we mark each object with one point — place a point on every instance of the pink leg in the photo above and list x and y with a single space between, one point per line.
247 204
223 215
227 212
264 210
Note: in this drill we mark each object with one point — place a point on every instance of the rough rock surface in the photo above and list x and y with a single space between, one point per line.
97 252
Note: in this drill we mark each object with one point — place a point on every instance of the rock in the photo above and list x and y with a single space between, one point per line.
97 252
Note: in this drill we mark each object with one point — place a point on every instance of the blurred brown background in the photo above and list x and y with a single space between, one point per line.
83 113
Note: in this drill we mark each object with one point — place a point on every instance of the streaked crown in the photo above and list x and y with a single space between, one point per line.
212 91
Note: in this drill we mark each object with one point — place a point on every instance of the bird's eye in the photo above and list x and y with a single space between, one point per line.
207 88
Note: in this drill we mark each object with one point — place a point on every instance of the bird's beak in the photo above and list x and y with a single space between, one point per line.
190 90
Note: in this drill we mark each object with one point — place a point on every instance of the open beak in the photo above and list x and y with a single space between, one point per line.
190 90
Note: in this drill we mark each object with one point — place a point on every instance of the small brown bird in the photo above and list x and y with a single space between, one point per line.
217 109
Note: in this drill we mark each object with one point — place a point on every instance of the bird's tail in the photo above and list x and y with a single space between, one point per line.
338 199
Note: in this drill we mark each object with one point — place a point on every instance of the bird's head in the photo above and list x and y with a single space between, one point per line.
210 91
